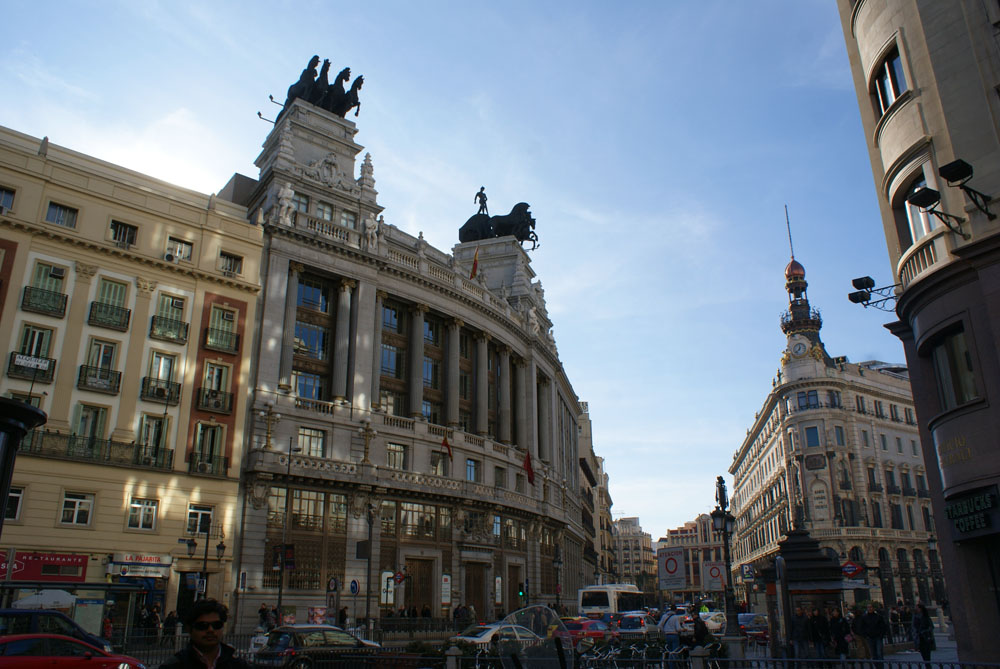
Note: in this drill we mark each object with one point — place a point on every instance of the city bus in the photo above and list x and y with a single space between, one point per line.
594 601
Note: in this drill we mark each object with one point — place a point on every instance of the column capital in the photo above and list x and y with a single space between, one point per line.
347 284
419 308
380 295
145 287
296 267
85 271
456 323
483 336
504 349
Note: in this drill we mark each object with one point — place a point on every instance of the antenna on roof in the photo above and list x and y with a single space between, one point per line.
261 117
788 225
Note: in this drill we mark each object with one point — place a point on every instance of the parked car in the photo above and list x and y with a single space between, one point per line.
715 621
55 650
310 646
754 627
485 634
587 628
636 625
47 621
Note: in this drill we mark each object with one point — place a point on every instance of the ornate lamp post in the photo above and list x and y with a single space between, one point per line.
192 548
367 433
368 577
723 521
557 563
270 417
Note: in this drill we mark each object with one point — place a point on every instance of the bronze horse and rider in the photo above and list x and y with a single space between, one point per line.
518 223
316 89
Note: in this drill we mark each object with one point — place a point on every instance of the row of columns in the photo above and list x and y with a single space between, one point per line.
520 391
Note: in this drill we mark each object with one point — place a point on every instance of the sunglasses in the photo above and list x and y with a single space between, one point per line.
201 625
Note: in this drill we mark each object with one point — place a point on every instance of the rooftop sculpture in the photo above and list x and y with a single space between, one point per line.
519 223
315 88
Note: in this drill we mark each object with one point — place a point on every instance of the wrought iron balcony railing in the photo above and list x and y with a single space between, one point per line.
875 487
31 368
96 450
160 390
923 492
222 340
109 316
99 379
892 489
210 465
41 301
168 329
909 492
219 401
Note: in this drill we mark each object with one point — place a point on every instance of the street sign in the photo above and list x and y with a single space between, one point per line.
333 585
670 567
713 576
201 584
355 587
851 569
398 577
747 572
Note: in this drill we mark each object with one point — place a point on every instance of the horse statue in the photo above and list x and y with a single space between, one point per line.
304 86
518 223
351 99
335 93
321 85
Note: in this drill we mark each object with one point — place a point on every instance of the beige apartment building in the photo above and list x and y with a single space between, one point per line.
127 311
926 74
605 525
700 545
590 500
835 450
634 559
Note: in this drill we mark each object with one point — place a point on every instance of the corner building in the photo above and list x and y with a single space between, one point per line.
835 450
377 354
926 75
127 307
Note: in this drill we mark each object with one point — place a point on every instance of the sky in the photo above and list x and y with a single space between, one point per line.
656 142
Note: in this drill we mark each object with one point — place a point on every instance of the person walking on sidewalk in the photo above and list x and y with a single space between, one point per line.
873 628
922 632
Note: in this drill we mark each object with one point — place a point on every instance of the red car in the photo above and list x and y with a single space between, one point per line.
53 650
587 628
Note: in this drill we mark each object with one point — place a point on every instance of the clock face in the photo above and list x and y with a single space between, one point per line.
799 348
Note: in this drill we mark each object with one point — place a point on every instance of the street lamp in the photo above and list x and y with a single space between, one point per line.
192 548
367 432
284 525
723 521
557 563
368 577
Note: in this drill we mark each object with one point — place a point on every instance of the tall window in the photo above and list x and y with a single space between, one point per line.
500 477
111 292
6 198
432 373
439 463
953 370
90 421
472 470
230 263
392 361
123 234
208 441
76 508
142 514
324 211
308 386
348 219
838 433
199 519
35 341
860 402
890 82
179 249
170 307
885 443
920 221
314 295
396 456
808 399
102 354
161 366
216 376
60 214
312 442
812 436
12 511
899 445
300 202
864 439
48 277
152 432
312 341
392 319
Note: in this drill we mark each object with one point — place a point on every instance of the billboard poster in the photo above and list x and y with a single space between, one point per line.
670 569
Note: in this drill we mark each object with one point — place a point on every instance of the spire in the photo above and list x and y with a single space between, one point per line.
799 317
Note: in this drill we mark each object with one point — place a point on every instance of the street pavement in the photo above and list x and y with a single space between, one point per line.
946 651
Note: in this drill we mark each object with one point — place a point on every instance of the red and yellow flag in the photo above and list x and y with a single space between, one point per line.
528 469
475 264
444 442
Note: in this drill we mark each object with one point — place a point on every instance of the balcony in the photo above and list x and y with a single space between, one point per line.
99 380
167 329
109 316
923 492
875 487
160 390
208 465
893 489
218 401
910 492
42 301
95 450
222 340
845 485
31 368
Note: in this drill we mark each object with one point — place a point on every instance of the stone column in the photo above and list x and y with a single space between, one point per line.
377 350
503 420
544 419
131 373
288 330
482 383
415 350
65 379
342 340
521 396
454 370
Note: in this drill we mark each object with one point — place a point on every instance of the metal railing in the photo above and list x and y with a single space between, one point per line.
31 367
209 465
99 379
41 301
218 401
222 340
95 449
109 316
160 390
168 329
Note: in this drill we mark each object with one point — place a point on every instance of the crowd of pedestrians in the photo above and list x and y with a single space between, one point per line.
819 635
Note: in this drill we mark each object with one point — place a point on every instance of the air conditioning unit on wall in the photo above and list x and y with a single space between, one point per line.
203 467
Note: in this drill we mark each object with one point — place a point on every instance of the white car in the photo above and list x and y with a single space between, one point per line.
715 621
488 633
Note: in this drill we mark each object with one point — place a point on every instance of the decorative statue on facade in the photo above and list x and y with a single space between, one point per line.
518 223
371 233
316 89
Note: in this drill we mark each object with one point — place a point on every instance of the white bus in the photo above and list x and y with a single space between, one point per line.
596 600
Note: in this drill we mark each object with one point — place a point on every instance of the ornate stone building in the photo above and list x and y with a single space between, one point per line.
128 308
401 398
701 544
926 75
835 449
634 557
590 499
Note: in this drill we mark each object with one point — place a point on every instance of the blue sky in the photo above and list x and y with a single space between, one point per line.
657 143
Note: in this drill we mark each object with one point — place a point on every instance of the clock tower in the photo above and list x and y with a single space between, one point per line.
801 323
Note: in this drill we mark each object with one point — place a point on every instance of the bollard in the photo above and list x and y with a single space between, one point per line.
698 655
451 656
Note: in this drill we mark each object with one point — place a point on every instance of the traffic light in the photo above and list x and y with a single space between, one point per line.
520 589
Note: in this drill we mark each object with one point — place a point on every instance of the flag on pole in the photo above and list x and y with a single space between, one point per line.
528 469
475 264
444 442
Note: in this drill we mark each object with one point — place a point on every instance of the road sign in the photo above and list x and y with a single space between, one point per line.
398 578
201 584
713 576
747 572
670 567
851 569
333 585
355 587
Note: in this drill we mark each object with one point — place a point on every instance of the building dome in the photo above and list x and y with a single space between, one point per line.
795 270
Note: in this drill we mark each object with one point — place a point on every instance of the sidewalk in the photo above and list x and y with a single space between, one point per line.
946 651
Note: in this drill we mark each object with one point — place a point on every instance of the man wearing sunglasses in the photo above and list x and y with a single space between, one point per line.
204 623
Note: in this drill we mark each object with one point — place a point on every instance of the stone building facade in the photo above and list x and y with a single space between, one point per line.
127 307
701 544
398 396
835 449
634 559
926 75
